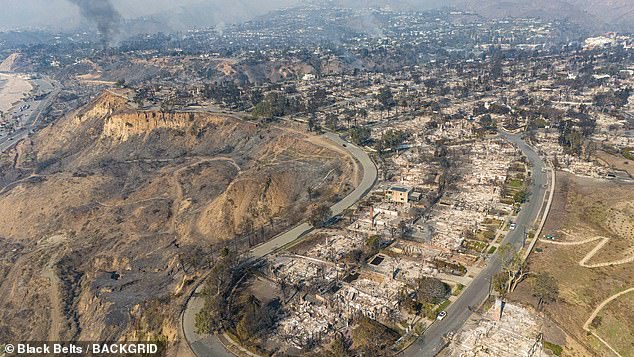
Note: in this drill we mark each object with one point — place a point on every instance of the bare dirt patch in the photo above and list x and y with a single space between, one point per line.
584 209
617 162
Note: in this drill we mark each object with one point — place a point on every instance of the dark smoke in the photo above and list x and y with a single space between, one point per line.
103 14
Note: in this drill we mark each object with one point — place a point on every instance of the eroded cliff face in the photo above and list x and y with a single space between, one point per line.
121 127
108 215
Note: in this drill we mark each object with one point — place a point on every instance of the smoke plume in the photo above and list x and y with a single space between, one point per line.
103 14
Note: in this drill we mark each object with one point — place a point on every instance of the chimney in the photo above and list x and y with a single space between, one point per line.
499 307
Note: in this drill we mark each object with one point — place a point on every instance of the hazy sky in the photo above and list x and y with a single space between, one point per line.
63 14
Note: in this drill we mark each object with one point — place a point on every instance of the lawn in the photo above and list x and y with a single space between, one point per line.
515 184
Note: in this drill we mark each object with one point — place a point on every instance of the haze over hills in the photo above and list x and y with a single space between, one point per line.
152 16
595 14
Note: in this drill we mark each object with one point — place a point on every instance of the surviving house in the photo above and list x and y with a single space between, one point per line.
398 193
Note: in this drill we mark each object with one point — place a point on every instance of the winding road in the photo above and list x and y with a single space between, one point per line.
432 341
210 345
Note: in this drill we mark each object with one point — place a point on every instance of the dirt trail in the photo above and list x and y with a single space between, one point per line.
586 326
584 261
179 195
55 299
56 302
9 185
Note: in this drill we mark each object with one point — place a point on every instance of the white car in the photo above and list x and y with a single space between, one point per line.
441 315
513 226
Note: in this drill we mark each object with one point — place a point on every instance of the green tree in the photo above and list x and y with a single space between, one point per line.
394 138
499 283
332 121
545 289
263 110
372 245
312 122
487 122
497 71
430 290
386 99
320 215
211 318
513 266
359 135
214 314
520 197
373 338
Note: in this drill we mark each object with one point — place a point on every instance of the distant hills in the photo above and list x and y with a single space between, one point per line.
598 15
150 16
208 13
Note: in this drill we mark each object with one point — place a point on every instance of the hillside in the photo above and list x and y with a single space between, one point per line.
107 215
595 15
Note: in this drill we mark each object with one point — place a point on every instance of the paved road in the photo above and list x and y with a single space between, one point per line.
369 177
32 115
210 345
432 341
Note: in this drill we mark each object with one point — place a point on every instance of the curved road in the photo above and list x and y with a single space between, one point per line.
432 341
210 345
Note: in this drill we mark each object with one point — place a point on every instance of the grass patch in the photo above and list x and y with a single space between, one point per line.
475 245
515 184
556 349
628 154
432 313
492 222
420 327
613 325
492 249
485 235
442 306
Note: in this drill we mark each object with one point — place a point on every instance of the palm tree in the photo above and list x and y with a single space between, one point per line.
364 114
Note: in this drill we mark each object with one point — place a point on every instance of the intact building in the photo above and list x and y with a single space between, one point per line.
398 193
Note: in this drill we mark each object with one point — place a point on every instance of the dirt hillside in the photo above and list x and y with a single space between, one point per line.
106 216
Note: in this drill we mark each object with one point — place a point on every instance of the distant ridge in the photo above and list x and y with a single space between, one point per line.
597 15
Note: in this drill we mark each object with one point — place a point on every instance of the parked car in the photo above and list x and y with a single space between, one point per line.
513 226
441 315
